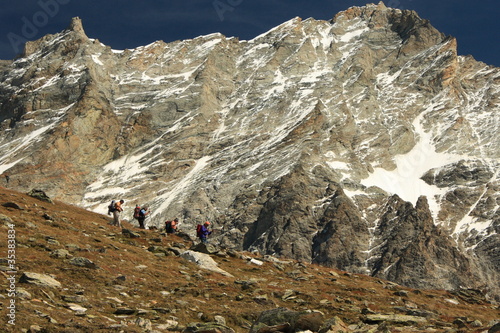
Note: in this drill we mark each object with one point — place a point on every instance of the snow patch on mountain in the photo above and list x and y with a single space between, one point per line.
405 180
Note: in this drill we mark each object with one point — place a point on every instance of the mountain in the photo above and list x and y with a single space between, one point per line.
363 143
74 272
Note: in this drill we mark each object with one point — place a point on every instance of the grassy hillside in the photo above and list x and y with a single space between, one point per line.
141 284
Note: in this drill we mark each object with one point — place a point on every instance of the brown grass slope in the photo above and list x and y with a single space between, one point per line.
170 292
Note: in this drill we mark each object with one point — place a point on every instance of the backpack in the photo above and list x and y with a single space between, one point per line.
198 230
137 212
168 227
111 207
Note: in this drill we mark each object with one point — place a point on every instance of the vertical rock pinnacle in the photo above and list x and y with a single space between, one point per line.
76 26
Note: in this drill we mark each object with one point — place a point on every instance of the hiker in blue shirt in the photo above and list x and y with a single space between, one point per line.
143 212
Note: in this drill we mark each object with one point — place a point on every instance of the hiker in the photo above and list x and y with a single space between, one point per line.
202 231
137 212
117 209
7 178
143 212
171 226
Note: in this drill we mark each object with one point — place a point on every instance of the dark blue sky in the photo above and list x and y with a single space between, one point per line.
128 24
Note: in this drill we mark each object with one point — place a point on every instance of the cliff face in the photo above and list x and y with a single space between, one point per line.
364 143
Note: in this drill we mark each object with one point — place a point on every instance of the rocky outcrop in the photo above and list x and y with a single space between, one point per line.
286 320
204 261
42 280
410 249
294 143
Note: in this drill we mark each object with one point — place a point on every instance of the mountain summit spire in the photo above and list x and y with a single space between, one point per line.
76 26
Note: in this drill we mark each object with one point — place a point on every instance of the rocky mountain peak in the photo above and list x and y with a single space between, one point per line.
59 43
318 140
416 33
76 25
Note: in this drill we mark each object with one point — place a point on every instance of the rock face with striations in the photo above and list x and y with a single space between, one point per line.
364 143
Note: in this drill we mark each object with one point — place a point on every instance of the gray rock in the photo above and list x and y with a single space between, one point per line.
169 324
12 205
402 293
175 250
38 279
470 173
495 328
39 194
6 220
131 234
204 261
74 298
35 329
158 249
82 262
248 284
256 262
334 325
394 318
53 241
205 248
22 293
72 247
61 254
416 312
76 308
283 319
31 225
262 300
125 311
207 327
288 294
220 320
144 323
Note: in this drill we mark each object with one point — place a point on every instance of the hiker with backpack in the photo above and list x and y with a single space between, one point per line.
171 226
140 214
116 208
203 232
